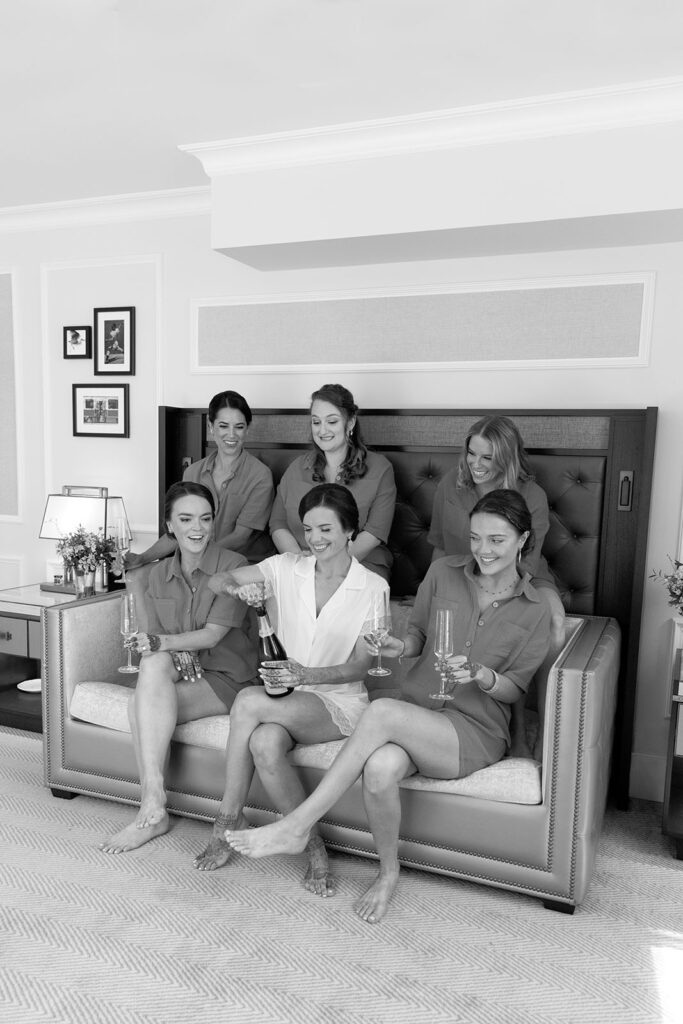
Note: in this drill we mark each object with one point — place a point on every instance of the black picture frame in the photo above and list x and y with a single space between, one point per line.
114 341
77 347
100 410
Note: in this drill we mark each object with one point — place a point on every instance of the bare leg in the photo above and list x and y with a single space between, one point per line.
157 705
264 729
428 738
383 771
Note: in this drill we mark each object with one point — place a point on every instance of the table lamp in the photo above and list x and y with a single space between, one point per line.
89 507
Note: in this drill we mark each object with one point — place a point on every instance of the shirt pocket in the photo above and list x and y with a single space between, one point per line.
504 643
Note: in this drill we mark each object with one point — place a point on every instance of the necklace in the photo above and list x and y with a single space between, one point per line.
496 593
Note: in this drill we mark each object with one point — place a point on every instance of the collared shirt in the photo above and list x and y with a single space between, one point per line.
511 636
330 637
244 499
375 495
450 525
174 607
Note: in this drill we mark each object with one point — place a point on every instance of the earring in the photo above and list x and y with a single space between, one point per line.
519 555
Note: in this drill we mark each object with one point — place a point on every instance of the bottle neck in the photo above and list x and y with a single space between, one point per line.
264 626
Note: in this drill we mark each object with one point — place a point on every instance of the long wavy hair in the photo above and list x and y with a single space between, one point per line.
510 460
354 465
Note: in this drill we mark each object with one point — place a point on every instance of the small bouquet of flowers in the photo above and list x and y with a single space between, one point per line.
673 581
82 551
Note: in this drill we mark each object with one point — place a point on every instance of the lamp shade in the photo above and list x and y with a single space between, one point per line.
66 512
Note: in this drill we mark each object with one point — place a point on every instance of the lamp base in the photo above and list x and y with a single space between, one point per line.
59 588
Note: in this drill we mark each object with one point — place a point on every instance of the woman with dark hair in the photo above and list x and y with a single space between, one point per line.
241 485
502 628
339 455
493 457
320 608
195 656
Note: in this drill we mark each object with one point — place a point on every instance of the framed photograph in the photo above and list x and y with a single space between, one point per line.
77 342
115 341
100 410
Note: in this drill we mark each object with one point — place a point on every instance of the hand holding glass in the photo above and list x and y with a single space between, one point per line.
129 627
379 628
443 649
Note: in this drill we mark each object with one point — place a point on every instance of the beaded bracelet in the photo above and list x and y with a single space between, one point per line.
154 641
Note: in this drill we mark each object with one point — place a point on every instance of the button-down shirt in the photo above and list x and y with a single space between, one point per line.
511 637
244 499
173 606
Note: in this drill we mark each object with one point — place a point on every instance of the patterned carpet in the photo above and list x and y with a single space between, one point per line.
142 938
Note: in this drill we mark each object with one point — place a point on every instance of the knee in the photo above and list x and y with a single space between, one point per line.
384 769
269 744
247 702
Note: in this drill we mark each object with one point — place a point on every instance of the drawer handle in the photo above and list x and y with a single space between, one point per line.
5 635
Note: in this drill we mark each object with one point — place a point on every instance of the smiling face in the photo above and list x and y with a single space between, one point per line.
191 524
229 430
481 463
329 427
324 534
495 544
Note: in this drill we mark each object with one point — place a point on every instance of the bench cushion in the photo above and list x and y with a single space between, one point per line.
512 780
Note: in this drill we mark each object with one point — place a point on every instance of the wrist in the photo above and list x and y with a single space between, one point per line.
401 655
487 679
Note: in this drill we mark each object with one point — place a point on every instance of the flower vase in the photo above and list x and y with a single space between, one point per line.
85 584
101 578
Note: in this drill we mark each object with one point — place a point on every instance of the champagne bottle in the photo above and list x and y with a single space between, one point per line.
269 646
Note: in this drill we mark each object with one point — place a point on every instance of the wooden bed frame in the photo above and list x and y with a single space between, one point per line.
595 466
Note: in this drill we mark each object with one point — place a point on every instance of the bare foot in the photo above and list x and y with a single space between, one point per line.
372 905
318 878
280 837
135 835
217 852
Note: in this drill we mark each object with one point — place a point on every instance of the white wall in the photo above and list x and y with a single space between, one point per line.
162 266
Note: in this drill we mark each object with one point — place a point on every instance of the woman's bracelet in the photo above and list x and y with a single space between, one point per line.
154 641
400 657
487 689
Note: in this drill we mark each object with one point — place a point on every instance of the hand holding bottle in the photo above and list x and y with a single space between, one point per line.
281 677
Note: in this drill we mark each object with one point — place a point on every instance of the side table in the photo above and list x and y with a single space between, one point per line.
672 817
21 643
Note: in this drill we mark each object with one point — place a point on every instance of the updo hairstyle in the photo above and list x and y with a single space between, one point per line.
510 506
338 499
231 399
183 489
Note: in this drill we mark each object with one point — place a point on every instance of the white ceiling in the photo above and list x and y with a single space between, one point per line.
96 95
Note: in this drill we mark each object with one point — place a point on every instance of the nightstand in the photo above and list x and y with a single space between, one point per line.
672 820
21 643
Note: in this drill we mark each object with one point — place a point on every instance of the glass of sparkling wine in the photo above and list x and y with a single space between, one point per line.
129 627
122 541
443 648
379 629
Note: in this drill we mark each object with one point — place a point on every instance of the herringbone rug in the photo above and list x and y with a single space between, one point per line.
143 938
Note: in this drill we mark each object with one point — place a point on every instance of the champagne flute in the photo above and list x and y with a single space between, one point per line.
122 540
443 648
379 629
128 627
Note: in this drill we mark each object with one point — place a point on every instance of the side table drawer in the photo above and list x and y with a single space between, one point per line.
13 636
35 639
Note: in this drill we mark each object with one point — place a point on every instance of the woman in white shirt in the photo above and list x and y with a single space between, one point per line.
320 608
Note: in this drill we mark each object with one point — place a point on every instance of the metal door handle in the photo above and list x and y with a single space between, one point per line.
5 635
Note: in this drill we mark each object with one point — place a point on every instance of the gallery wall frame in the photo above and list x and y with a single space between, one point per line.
77 342
101 410
114 341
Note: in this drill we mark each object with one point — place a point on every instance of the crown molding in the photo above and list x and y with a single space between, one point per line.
180 202
658 101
